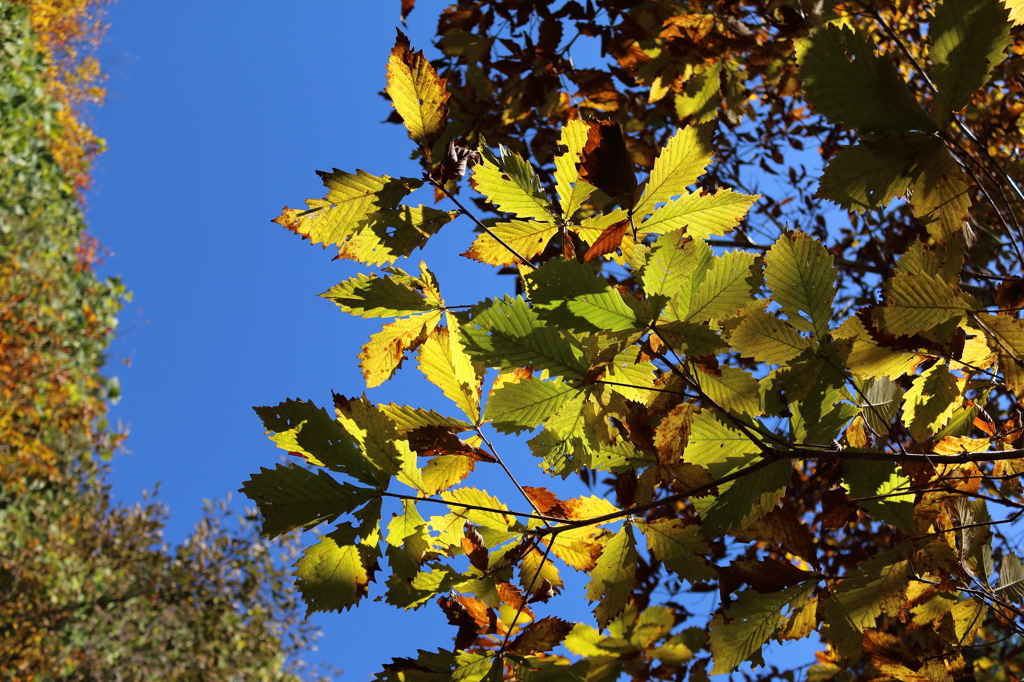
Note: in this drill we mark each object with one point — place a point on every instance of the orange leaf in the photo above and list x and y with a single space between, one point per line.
607 241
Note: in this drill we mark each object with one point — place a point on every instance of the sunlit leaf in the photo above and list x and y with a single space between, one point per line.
611 581
417 93
678 166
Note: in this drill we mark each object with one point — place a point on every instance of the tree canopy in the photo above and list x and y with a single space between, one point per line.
768 289
88 589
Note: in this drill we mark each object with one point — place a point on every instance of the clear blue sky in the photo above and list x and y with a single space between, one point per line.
217 115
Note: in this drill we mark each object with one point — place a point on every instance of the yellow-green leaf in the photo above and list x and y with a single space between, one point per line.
384 353
511 184
334 574
678 166
930 402
525 237
801 275
444 362
917 303
417 93
611 581
572 189
766 338
700 215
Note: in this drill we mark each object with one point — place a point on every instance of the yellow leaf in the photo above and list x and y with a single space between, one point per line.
417 93
446 365
1016 8
386 349
525 237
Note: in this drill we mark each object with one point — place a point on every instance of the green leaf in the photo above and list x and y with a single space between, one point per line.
940 194
572 190
445 363
917 303
743 501
700 215
728 287
766 338
800 273
372 296
611 581
291 497
868 175
494 520
350 202
930 401
507 333
394 233
871 479
384 353
526 237
568 294
674 271
333 574
735 390
874 587
407 418
717 445
409 522
752 618
701 95
302 427
883 399
417 93
969 40
847 82
522 406
678 166
377 437
512 186
679 546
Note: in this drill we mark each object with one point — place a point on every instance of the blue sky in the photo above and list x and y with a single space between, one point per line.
217 115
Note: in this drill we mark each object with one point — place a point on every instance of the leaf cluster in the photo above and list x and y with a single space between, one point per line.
819 422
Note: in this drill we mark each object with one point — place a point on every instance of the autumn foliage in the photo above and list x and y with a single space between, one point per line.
768 262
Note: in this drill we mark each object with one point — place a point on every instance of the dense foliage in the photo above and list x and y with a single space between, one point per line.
88 591
791 373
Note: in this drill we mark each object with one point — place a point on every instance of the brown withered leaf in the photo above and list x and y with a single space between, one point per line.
470 615
673 433
473 543
605 162
513 596
781 527
607 241
545 501
407 6
456 161
430 441
543 635
763 576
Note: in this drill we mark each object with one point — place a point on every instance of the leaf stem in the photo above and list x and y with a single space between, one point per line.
476 220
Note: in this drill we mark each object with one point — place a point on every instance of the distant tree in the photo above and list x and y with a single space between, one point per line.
88 590
794 372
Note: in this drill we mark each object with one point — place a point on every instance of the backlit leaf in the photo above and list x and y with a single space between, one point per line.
605 161
700 215
512 186
572 189
678 166
766 338
727 288
417 93
523 406
679 546
884 481
372 296
801 275
291 497
445 363
350 201
526 237
752 619
969 40
930 401
611 581
568 294
917 303
333 574
847 82
381 357
394 233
